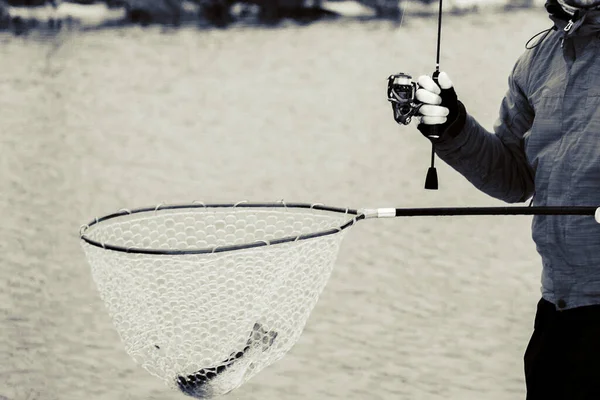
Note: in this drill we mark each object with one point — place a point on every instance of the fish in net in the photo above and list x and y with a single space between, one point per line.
204 297
197 385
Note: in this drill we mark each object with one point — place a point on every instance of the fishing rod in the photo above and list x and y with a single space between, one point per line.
401 93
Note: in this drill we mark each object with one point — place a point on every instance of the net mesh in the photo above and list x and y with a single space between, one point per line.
206 323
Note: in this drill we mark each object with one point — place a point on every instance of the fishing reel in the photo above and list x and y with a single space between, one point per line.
401 92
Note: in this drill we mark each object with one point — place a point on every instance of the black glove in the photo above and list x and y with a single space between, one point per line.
455 120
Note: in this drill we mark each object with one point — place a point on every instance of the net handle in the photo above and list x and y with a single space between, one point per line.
456 211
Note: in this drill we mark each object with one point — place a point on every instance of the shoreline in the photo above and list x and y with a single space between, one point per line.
79 17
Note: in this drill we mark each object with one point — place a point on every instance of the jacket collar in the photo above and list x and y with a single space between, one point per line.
585 22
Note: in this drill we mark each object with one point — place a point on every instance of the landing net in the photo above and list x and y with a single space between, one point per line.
206 296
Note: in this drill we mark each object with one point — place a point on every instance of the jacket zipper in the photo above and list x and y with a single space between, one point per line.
569 26
566 29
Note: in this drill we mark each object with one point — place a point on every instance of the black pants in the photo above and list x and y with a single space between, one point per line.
562 360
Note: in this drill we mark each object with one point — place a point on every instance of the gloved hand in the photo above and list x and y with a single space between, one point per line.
441 106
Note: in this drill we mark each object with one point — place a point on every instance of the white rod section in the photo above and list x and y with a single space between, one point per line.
379 212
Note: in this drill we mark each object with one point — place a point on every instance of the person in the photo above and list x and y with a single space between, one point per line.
545 149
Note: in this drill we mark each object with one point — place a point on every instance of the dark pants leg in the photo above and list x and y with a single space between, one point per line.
562 360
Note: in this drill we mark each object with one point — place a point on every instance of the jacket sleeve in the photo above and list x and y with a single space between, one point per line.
495 163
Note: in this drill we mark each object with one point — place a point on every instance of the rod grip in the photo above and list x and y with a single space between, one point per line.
434 130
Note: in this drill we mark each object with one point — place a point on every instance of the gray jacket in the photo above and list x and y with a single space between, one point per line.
546 144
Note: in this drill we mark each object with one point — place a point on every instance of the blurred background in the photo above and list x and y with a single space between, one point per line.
127 104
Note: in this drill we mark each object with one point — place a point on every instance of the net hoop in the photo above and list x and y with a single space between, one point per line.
356 216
